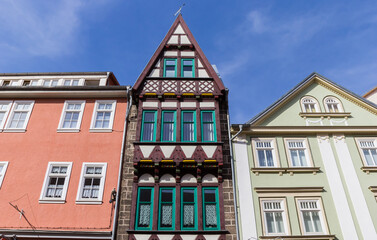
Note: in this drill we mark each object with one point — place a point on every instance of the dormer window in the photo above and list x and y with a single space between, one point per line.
26 83
170 67
309 105
333 105
6 83
71 82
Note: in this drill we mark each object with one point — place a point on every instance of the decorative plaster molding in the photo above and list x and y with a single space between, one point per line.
339 137
323 138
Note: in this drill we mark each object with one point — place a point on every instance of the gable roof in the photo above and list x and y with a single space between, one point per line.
179 21
306 82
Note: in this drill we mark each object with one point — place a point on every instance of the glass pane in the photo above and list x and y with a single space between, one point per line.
208 132
279 222
98 170
188 216
317 222
166 217
60 181
188 132
149 117
55 170
170 71
67 82
168 117
50 192
187 62
261 158
88 182
294 158
170 62
211 215
168 133
101 106
303 162
96 182
210 195
75 83
148 131
368 157
58 192
1 168
188 195
145 195
307 222
144 215
270 159
90 170
188 117
86 193
52 182
207 117
374 156
270 222
47 83
167 195
2 114
63 169
54 83
187 71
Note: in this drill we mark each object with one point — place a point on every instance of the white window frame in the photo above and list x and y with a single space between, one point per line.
95 112
81 200
80 82
6 113
273 148
3 171
65 110
335 101
305 147
43 198
360 147
12 112
50 81
319 208
304 100
283 210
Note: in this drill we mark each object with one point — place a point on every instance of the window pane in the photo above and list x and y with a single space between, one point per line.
307 221
75 83
55 170
188 117
149 117
261 158
145 195
170 71
188 195
144 215
166 217
188 132
317 222
187 62
270 159
170 62
188 215
168 133
148 131
210 195
208 132
270 222
67 82
187 71
294 158
167 195
303 161
279 222
63 169
210 215
207 116
90 170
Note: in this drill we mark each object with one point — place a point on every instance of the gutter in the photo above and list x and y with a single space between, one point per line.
232 166
115 220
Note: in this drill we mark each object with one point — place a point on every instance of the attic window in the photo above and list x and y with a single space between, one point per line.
170 67
333 105
309 105
6 83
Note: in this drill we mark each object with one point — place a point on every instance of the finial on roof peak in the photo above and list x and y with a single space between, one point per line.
179 12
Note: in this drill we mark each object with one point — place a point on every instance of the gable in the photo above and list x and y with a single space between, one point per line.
178 58
292 112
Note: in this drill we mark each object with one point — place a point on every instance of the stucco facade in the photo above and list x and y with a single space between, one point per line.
305 166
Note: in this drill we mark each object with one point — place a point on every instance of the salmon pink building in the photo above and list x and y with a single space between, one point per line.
61 138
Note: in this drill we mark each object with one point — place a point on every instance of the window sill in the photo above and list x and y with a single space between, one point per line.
280 170
82 202
300 237
14 130
51 201
369 169
67 130
325 114
100 130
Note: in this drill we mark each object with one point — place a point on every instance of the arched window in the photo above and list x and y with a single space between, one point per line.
333 105
309 104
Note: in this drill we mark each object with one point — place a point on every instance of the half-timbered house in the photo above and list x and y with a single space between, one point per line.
177 181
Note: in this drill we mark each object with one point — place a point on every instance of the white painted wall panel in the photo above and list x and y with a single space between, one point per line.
185 40
187 54
171 53
188 104
207 104
173 40
168 104
202 73
150 104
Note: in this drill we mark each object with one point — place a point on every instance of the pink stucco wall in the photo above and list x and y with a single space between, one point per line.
28 155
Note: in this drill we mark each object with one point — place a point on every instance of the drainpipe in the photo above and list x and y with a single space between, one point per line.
115 220
232 167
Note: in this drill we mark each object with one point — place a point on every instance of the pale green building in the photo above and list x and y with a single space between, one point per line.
306 167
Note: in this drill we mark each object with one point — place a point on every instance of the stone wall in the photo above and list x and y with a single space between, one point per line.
127 178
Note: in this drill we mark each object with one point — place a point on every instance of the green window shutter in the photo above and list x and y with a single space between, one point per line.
189 216
187 67
144 210
208 126
170 67
168 129
211 211
188 126
148 126
166 209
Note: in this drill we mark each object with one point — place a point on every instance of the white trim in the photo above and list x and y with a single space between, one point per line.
342 209
81 113
317 208
354 188
3 171
335 101
95 112
273 149
360 148
313 101
9 120
102 176
43 198
245 192
282 209
305 147
6 112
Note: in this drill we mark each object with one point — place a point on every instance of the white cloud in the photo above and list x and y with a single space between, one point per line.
46 28
257 21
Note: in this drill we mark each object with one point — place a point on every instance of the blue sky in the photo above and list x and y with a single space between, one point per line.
261 48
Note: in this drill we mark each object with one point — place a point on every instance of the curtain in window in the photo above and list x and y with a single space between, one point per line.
144 215
166 215
208 128
211 215
188 215
168 134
